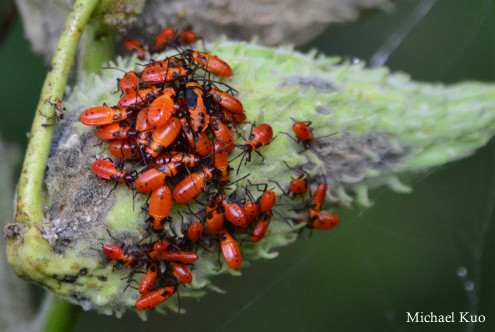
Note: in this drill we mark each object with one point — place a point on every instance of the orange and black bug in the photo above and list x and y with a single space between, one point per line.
199 143
191 185
149 279
230 250
159 206
160 246
233 212
261 226
134 45
198 116
223 135
162 108
266 201
298 186
119 254
186 257
181 272
250 210
210 62
187 37
220 162
317 200
260 136
124 149
104 115
130 82
154 298
163 38
106 169
324 220
225 99
214 216
187 159
153 178
115 131
303 133
138 98
194 231
164 136
164 71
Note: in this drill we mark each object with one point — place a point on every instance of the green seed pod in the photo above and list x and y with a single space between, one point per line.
370 126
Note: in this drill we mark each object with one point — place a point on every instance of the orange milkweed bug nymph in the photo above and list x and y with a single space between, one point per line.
154 298
191 185
181 272
194 231
148 281
230 250
134 45
159 206
210 62
106 169
104 115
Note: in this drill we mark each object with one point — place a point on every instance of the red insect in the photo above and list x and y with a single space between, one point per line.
260 136
154 298
261 226
160 246
187 159
119 254
164 71
163 136
115 130
225 99
325 220
153 178
233 212
303 133
223 135
266 201
148 281
250 210
130 82
124 149
198 116
187 37
106 169
162 108
298 186
220 162
200 144
214 217
191 185
163 38
104 115
134 45
317 200
230 250
181 272
210 62
136 99
159 206
186 257
195 231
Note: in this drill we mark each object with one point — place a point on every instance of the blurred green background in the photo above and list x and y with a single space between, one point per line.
406 253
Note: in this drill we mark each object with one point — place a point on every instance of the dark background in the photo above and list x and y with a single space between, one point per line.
406 253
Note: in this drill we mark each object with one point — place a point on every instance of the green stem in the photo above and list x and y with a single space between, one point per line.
30 183
60 316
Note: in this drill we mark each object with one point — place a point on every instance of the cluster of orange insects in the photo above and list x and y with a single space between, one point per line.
174 126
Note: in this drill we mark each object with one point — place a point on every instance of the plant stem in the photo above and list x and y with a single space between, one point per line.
58 316
30 183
